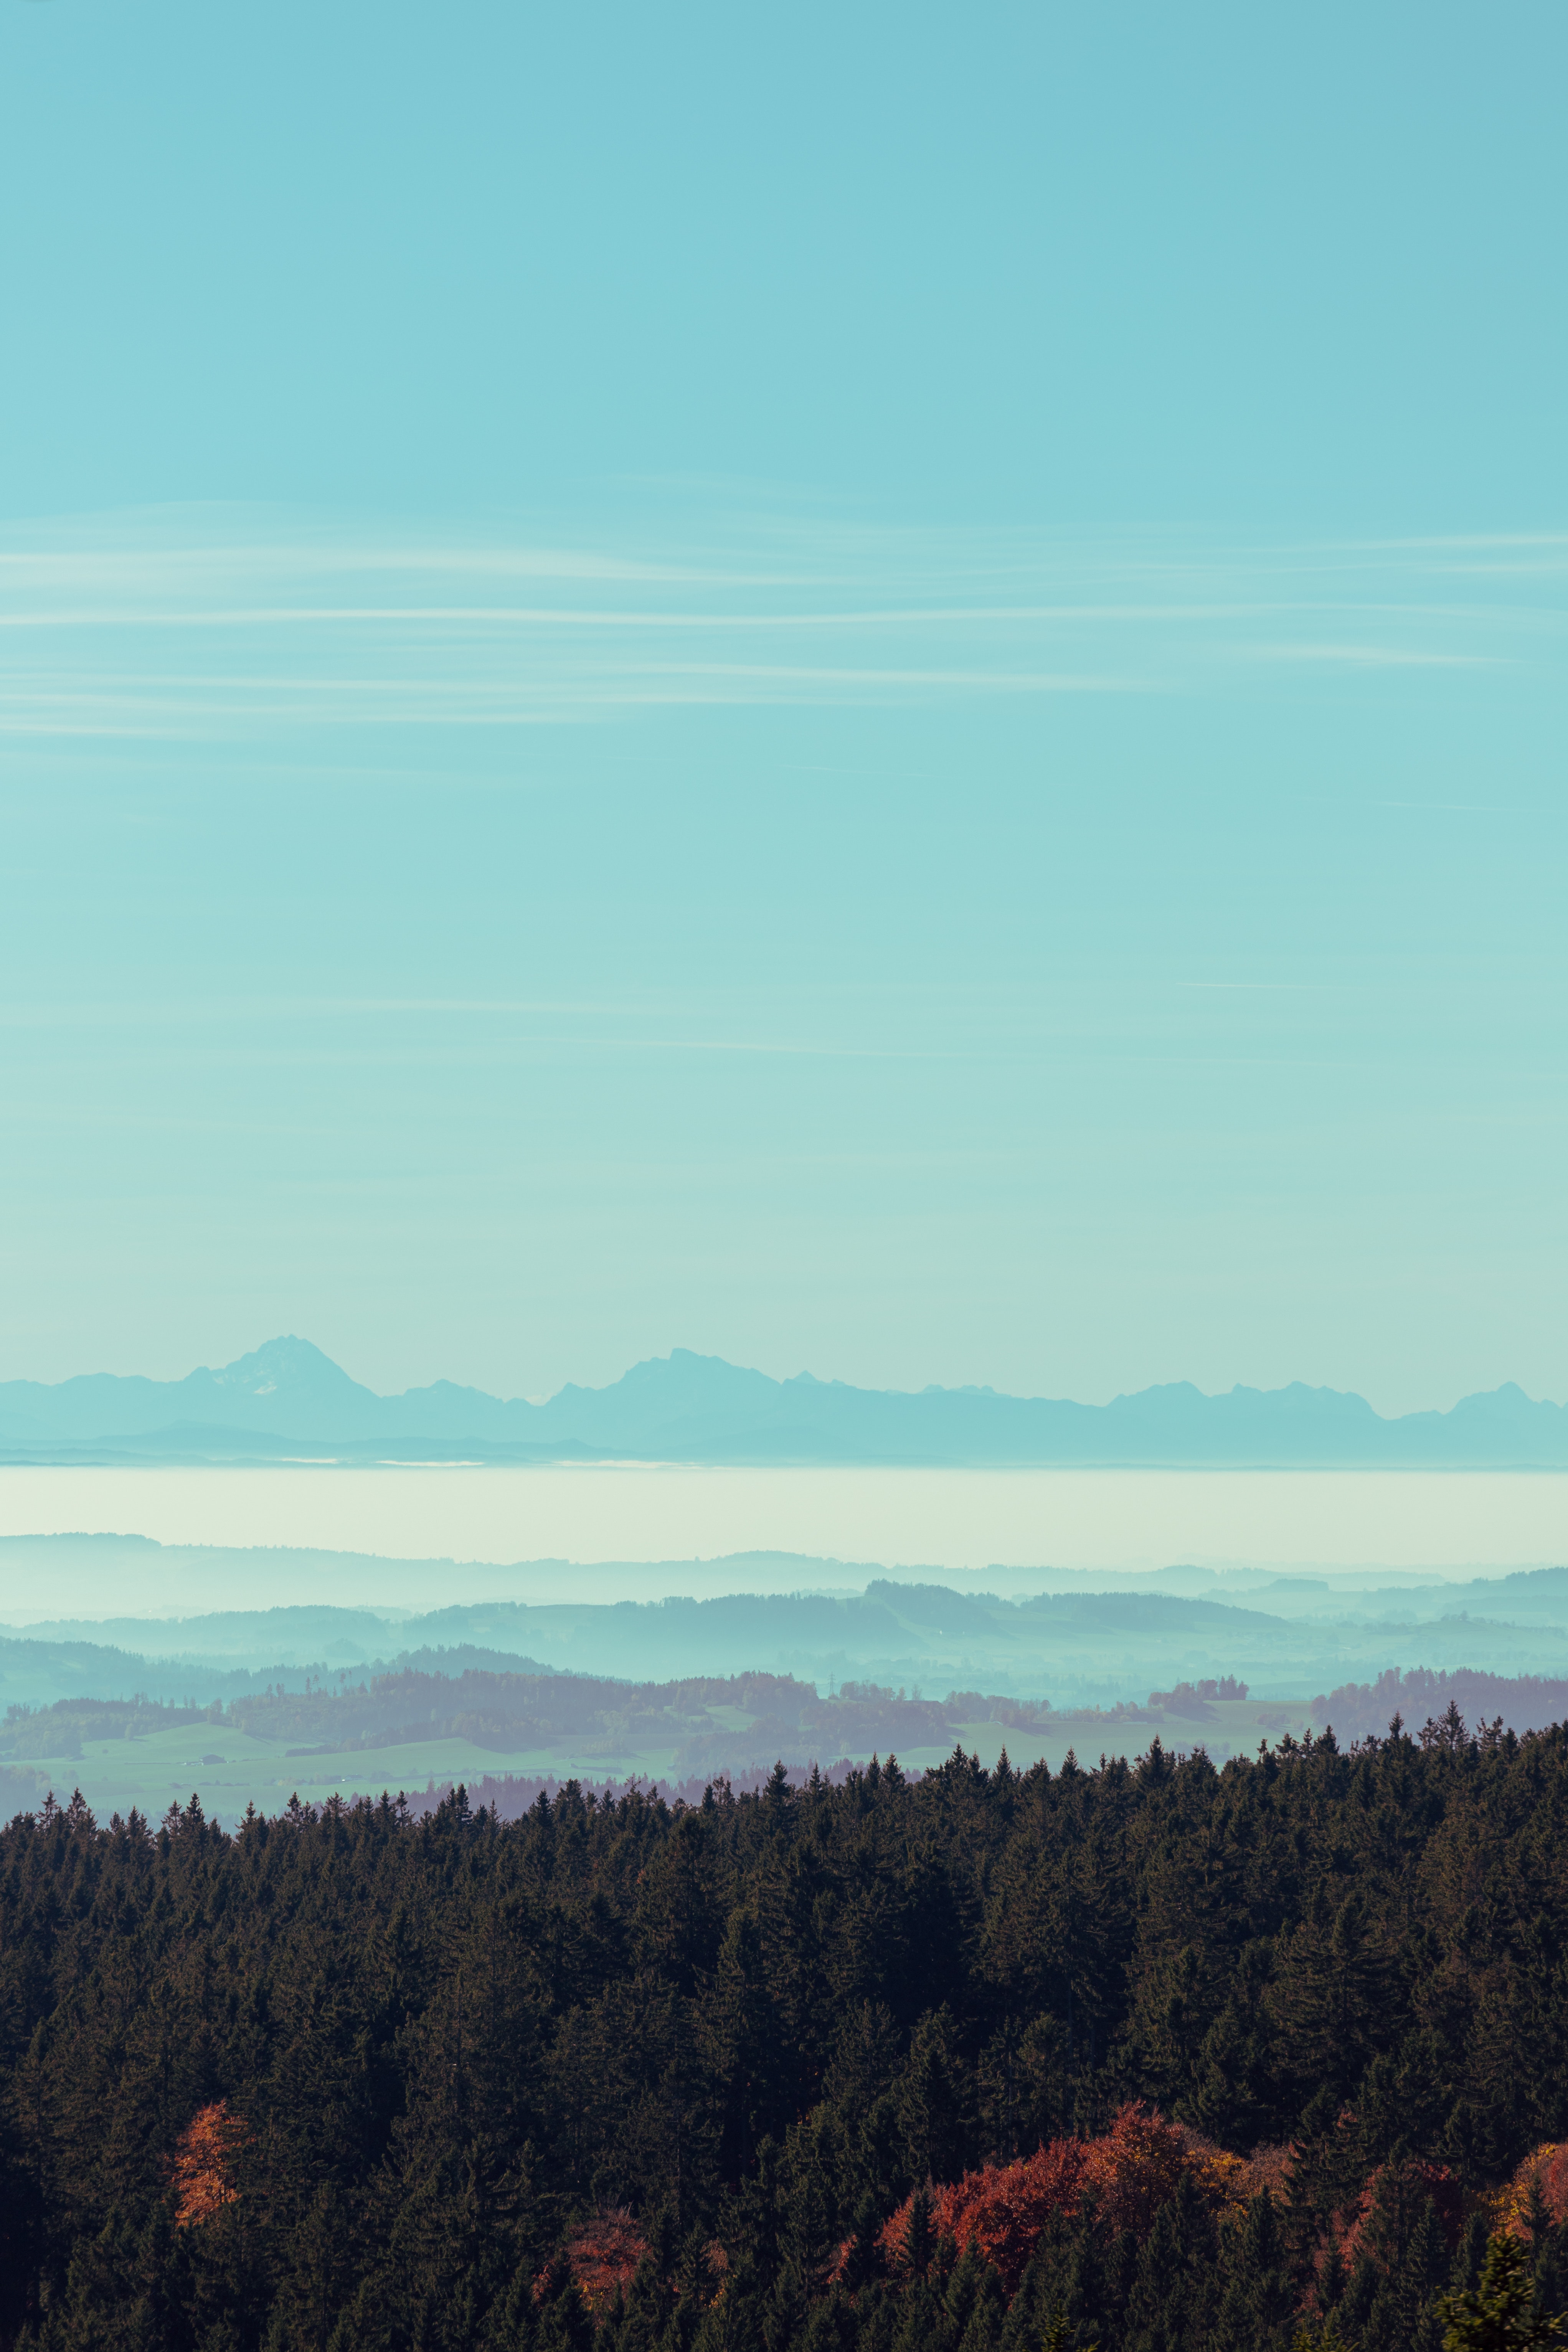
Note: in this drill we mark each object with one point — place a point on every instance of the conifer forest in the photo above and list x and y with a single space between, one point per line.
1149 2056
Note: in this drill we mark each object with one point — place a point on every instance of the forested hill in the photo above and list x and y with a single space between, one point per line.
719 2078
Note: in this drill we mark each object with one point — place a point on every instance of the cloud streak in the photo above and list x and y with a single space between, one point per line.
115 630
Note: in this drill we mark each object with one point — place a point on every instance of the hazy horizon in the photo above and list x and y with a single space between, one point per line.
978 1521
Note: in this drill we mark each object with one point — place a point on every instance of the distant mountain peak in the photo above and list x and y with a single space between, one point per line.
282 1363
287 1398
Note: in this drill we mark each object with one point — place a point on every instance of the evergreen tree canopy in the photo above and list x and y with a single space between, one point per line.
1150 2057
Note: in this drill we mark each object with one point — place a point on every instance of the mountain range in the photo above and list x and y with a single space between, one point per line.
288 1400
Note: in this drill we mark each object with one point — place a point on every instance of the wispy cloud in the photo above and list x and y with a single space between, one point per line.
193 625
1376 656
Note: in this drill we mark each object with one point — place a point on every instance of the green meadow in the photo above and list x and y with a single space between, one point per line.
230 1769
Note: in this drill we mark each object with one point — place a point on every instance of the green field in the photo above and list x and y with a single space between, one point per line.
231 1770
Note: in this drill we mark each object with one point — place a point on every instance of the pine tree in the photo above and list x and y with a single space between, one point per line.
1175 2287
1258 2301
1499 2313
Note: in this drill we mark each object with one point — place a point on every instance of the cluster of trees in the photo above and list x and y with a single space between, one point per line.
506 1711
716 1723
1192 1702
505 1707
59 1730
357 2079
1359 1709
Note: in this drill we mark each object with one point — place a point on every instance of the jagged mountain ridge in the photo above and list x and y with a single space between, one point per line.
287 1398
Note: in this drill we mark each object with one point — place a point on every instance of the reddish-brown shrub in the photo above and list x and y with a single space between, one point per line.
1269 2167
603 2255
1399 2189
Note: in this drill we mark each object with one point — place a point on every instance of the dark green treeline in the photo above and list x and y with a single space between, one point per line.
759 2022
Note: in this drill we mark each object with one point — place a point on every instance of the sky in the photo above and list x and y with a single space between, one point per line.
876 691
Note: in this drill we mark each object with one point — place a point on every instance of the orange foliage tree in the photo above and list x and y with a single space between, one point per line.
1133 2168
1544 2169
203 2163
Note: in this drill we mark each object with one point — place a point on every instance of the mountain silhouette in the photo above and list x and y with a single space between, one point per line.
287 1399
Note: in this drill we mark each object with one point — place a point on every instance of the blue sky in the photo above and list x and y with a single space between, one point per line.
880 695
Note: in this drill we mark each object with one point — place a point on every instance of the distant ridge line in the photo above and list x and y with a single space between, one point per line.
288 1400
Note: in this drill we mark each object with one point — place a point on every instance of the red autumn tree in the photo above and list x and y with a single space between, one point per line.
1130 2170
1000 2207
